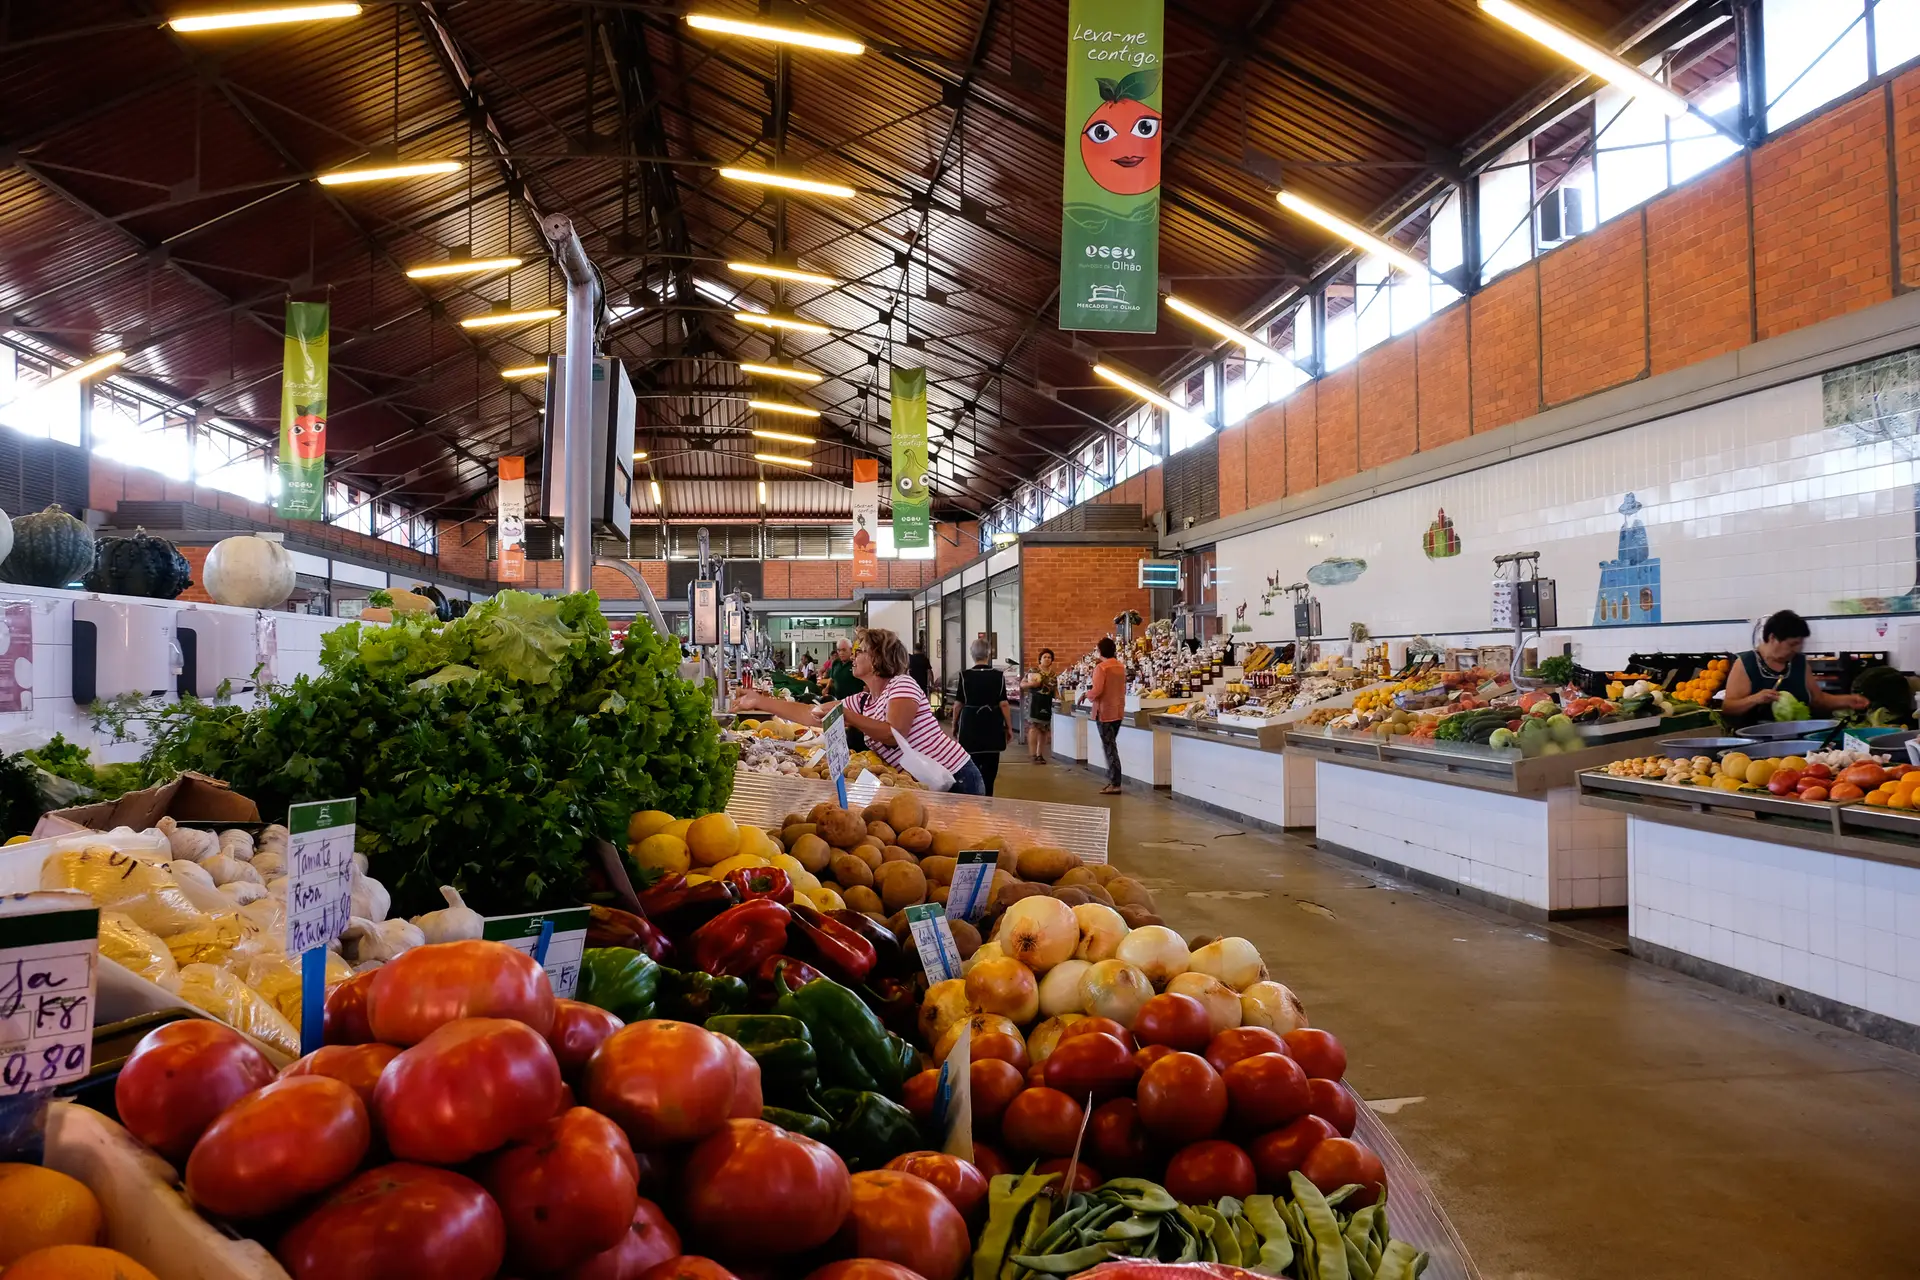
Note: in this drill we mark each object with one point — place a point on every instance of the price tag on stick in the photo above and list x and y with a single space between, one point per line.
47 967
319 891
972 883
933 937
833 728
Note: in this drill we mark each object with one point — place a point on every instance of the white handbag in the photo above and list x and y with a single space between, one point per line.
927 771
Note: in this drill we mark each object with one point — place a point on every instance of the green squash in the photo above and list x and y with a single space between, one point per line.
50 549
142 565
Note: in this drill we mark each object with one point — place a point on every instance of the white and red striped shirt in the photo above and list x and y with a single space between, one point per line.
925 733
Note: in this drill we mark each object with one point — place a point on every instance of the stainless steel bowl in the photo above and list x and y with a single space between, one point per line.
1777 750
1787 729
1688 748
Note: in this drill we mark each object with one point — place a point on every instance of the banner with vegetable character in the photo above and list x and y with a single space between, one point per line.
912 504
303 414
866 519
1110 234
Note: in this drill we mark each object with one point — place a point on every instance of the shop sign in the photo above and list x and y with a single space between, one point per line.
912 505
866 519
303 413
512 527
47 973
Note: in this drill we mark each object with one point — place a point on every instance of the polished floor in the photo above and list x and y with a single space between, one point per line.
1580 1115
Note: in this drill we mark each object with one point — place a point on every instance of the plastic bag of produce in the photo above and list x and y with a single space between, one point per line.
197 885
208 941
276 975
140 890
128 945
227 998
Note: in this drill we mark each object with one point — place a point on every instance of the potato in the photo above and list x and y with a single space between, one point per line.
1137 917
1001 879
841 829
1043 862
1097 893
875 812
901 885
863 899
1007 861
1073 895
1082 876
850 872
905 810
939 870
991 842
918 839
897 922
1015 890
794 830
966 938
1129 892
946 844
820 811
881 832
894 853
868 853
938 893
813 853
1103 871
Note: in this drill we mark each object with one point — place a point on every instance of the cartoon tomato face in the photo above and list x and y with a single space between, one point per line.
309 436
1120 145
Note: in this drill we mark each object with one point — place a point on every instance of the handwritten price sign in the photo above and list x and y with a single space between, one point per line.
319 872
46 992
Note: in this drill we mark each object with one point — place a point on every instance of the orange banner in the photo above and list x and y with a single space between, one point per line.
866 519
512 525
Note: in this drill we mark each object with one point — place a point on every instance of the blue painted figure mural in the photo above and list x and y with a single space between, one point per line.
1629 583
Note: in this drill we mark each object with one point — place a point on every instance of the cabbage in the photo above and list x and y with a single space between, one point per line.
1788 707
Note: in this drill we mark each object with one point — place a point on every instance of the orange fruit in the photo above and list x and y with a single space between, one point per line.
77 1262
42 1207
1904 801
1880 799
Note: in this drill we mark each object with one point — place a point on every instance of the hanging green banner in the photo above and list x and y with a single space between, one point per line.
303 414
1110 235
912 503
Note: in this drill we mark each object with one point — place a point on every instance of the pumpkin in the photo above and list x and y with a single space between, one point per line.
142 565
50 549
252 571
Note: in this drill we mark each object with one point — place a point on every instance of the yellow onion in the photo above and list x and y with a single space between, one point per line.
1101 930
1060 989
945 1004
1222 1001
1043 1039
1156 951
1006 987
1272 1005
982 1023
1039 932
981 954
1234 961
1114 989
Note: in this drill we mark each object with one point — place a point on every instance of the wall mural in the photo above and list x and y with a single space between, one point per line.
1441 541
1335 570
1874 403
1630 582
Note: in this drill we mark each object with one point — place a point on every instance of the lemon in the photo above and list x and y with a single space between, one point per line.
661 852
41 1208
678 827
738 862
713 838
645 823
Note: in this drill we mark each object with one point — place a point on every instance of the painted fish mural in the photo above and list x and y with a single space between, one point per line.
1335 570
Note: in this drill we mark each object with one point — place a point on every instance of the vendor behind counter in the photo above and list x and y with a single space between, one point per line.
1775 667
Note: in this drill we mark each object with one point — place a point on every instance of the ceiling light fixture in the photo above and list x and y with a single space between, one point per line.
92 368
763 493
494 319
784 372
525 371
1591 58
783 437
1207 320
195 22
781 460
1151 396
381 172
772 272
640 455
779 35
779 322
781 406
788 181
1352 234
463 267
653 487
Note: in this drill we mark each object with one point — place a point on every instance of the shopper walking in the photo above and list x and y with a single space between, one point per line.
1042 687
985 723
1109 698
920 667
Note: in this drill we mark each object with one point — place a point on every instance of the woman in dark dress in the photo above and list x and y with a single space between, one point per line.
1775 666
986 721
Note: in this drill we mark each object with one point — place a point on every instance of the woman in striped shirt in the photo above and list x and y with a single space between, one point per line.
891 709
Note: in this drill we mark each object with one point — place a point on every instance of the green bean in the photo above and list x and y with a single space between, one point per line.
1140 1195
1357 1265
1340 1194
1276 1242
1137 1227
1360 1226
1249 1240
1399 1261
1059 1230
1008 1199
1066 1264
1226 1248
1329 1247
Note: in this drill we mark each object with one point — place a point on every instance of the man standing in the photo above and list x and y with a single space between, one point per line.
837 681
920 667
1109 699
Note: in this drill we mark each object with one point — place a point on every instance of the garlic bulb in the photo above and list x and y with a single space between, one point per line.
236 843
224 869
197 884
456 922
189 843
243 891
269 865
363 940
369 899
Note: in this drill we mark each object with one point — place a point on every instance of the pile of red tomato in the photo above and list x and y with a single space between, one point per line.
1162 1095
439 1136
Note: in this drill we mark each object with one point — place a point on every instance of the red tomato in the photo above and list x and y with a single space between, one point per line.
1147 1055
1236 1043
356 1065
1339 1161
989 1161
1096 1064
794 1191
399 1222
428 987
1317 1052
1085 1176
567 1193
1266 1090
922 1087
959 1181
864 1269
998 1044
994 1084
900 1218
650 1241
1280 1152
278 1146
1817 771
1205 1171
1037 1076
345 1019
663 1082
1816 792
747 1098
1181 1098
473 1085
1116 1139
567 1100
1180 1021
1332 1103
1044 1122
689 1267
578 1029
183 1075
1093 1026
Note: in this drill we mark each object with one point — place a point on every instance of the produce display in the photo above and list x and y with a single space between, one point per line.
779 747
1838 776
50 549
141 565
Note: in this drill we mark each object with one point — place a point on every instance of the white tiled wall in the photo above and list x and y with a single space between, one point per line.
1588 853
1138 758
1274 788
1844 928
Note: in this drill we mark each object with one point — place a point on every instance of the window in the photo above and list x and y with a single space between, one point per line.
1896 33
1816 50
1506 224
31 407
1446 249
1372 307
1343 332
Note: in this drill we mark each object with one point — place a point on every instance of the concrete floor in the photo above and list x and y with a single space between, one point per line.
1577 1113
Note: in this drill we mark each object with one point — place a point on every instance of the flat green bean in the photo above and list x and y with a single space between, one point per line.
1357 1265
1008 1198
1137 1227
1067 1264
1276 1240
1399 1261
1329 1246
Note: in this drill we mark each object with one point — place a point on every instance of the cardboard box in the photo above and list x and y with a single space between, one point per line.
189 798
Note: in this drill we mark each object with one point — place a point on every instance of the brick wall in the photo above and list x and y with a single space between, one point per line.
1389 403
1593 311
1336 427
1699 291
1446 410
1233 470
1069 597
1503 349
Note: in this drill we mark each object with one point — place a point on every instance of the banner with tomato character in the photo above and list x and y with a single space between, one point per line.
866 519
303 414
1110 235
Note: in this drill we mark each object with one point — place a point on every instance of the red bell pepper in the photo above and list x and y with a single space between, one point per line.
889 957
734 943
678 908
839 951
612 927
749 883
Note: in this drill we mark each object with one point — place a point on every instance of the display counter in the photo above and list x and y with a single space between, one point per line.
1239 771
1812 907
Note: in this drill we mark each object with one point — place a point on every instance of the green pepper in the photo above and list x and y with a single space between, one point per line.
800 1122
869 1128
855 1050
620 980
782 1047
695 997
